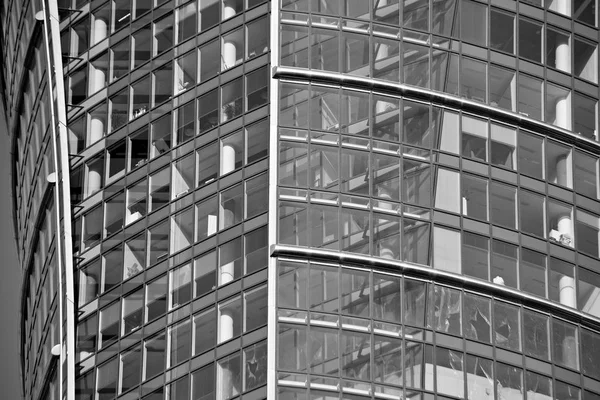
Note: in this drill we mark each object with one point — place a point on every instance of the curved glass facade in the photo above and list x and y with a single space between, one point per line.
438 204
334 199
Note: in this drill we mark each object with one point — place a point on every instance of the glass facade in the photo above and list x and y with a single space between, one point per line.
293 199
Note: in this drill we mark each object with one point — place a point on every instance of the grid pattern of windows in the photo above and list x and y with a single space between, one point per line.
400 179
354 330
385 46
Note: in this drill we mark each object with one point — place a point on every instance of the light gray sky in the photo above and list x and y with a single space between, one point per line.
10 280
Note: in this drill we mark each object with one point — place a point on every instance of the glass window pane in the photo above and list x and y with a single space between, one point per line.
205 268
566 344
156 298
536 335
258 37
531 155
530 40
180 291
205 331
154 355
203 383
209 64
229 376
182 230
502 31
180 342
255 306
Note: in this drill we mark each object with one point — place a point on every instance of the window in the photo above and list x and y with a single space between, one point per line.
475 197
558 49
232 152
560 223
257 88
503 207
115 159
92 228
141 44
585 116
475 256
113 214
109 325
77 87
446 251
230 261
122 14
566 344
208 111
504 264
585 174
232 100
502 31
206 214
476 30
159 189
530 40
205 331
257 139
231 206
163 34
255 365
156 298
162 79
185 72
107 380
180 342
180 291
255 306
135 256
86 337
133 308
154 356
89 282
140 98
80 37
118 111
209 13
531 209
587 227
205 268
203 383
258 37
232 49
503 146
256 250
474 138
119 57
585 60
558 106
138 148
209 64
229 377
588 287
186 22
230 319
561 283
136 202
590 357
183 175
530 154
532 269
161 136
94 169
158 243
112 268
257 191
530 96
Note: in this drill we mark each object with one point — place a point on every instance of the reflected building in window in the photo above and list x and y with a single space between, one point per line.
293 199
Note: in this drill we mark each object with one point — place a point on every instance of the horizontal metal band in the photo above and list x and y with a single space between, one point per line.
443 99
439 276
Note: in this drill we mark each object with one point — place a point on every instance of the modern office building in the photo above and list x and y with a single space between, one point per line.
324 199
